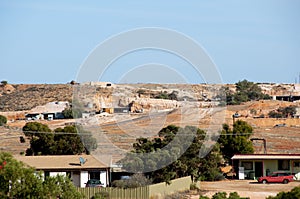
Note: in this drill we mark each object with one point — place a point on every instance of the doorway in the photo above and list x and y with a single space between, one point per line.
258 169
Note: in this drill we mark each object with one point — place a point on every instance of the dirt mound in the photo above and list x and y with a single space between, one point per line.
6 89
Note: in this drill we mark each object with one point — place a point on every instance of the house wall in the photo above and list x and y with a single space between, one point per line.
103 177
80 178
53 174
75 176
270 165
84 177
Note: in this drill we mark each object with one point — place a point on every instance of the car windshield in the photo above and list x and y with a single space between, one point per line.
94 182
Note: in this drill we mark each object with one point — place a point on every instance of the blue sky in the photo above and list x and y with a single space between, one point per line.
48 41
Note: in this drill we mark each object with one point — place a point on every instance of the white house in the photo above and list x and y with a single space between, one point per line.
71 166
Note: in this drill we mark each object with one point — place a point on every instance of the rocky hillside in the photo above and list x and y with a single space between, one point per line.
25 97
96 96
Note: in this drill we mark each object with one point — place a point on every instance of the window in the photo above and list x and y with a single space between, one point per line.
297 164
69 174
47 174
95 175
247 165
283 164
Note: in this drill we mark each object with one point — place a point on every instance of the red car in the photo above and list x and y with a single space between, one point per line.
279 177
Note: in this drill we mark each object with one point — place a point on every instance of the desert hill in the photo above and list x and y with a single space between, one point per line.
194 105
19 97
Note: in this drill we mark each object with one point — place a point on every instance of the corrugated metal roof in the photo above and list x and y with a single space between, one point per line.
65 162
266 157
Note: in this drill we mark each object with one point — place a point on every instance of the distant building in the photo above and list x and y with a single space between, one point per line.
122 110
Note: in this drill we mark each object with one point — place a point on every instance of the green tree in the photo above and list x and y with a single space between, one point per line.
70 113
20 181
236 140
88 141
182 159
61 187
223 195
41 139
19 178
67 141
4 82
67 113
294 193
136 180
275 114
63 141
245 91
3 120
283 112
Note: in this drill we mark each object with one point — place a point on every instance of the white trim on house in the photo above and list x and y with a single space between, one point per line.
266 157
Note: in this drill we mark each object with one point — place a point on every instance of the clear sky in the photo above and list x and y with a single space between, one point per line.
48 41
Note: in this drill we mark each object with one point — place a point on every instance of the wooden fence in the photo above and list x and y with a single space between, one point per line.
156 191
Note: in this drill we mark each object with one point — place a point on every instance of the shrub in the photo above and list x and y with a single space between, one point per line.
245 91
4 82
101 195
137 180
70 113
3 120
283 112
223 195
294 193
203 197
194 186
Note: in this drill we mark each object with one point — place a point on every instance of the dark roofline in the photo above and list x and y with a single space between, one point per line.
72 169
279 154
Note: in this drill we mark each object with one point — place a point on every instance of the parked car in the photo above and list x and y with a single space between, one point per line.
280 125
279 177
236 115
93 183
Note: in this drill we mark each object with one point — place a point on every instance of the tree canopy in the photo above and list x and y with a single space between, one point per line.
283 112
136 180
4 82
71 113
20 181
3 120
223 195
245 91
173 154
63 141
236 140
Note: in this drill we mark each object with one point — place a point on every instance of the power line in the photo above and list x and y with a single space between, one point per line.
68 133
53 132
